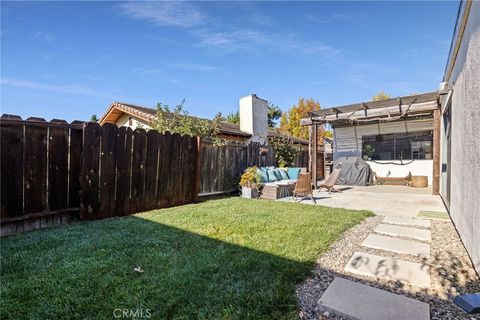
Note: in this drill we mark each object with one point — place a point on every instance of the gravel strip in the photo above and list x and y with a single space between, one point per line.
450 267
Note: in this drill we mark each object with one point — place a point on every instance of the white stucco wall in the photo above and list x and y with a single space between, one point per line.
465 152
417 168
253 117
123 122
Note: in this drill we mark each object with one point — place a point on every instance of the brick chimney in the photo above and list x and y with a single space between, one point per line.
253 117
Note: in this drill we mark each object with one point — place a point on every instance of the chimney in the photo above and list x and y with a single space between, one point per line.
253 117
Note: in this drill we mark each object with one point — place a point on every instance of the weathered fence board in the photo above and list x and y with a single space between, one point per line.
107 170
89 179
12 169
138 170
40 169
124 160
75 156
35 173
58 168
151 174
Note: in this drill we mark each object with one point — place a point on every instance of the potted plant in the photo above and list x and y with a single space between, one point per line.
250 182
368 152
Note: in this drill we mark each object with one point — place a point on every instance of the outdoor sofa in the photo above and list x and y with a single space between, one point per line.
278 182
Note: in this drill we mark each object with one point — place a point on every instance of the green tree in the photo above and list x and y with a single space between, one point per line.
233 117
180 121
381 95
284 149
94 118
290 121
274 114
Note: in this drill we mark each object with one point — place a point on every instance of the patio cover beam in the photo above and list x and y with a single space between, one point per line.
363 115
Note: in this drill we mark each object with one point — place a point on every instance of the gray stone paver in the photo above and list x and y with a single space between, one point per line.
379 267
408 232
353 300
407 221
377 241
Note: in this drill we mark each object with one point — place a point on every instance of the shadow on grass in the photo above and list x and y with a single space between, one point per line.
86 270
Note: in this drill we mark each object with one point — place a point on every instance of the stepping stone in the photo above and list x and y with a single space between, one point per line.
435 215
379 267
397 231
352 300
407 221
377 241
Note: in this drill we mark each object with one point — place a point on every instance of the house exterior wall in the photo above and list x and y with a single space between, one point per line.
348 140
396 169
123 122
464 79
348 143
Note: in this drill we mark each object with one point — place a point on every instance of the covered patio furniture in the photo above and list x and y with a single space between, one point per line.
354 172
303 187
330 182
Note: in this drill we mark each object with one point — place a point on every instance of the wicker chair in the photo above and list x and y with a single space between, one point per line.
303 187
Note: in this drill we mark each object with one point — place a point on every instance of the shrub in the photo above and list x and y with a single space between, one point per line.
250 178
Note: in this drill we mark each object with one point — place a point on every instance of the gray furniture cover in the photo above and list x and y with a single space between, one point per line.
354 171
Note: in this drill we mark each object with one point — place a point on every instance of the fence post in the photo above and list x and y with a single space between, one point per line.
197 169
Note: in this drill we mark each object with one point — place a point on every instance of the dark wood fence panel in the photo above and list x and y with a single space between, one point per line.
75 158
107 169
58 168
35 172
151 173
40 172
12 169
89 178
124 167
221 167
125 171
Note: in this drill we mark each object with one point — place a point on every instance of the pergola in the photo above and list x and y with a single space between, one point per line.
397 109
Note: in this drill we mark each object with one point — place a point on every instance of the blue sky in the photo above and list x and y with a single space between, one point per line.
70 60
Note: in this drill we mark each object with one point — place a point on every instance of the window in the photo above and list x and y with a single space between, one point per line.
400 146
130 121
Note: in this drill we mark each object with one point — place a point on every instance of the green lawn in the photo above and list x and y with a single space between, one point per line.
228 258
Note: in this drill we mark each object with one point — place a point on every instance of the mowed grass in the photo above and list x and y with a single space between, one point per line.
220 259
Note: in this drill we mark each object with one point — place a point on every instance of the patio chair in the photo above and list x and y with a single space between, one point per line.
303 187
330 182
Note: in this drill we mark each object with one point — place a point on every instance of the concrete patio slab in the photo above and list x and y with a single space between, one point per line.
407 221
407 232
397 201
397 245
379 267
352 300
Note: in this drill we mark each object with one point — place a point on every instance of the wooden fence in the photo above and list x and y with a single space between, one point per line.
125 171
53 171
221 167
40 162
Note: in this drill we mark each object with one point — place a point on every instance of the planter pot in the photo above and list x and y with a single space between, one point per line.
249 193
